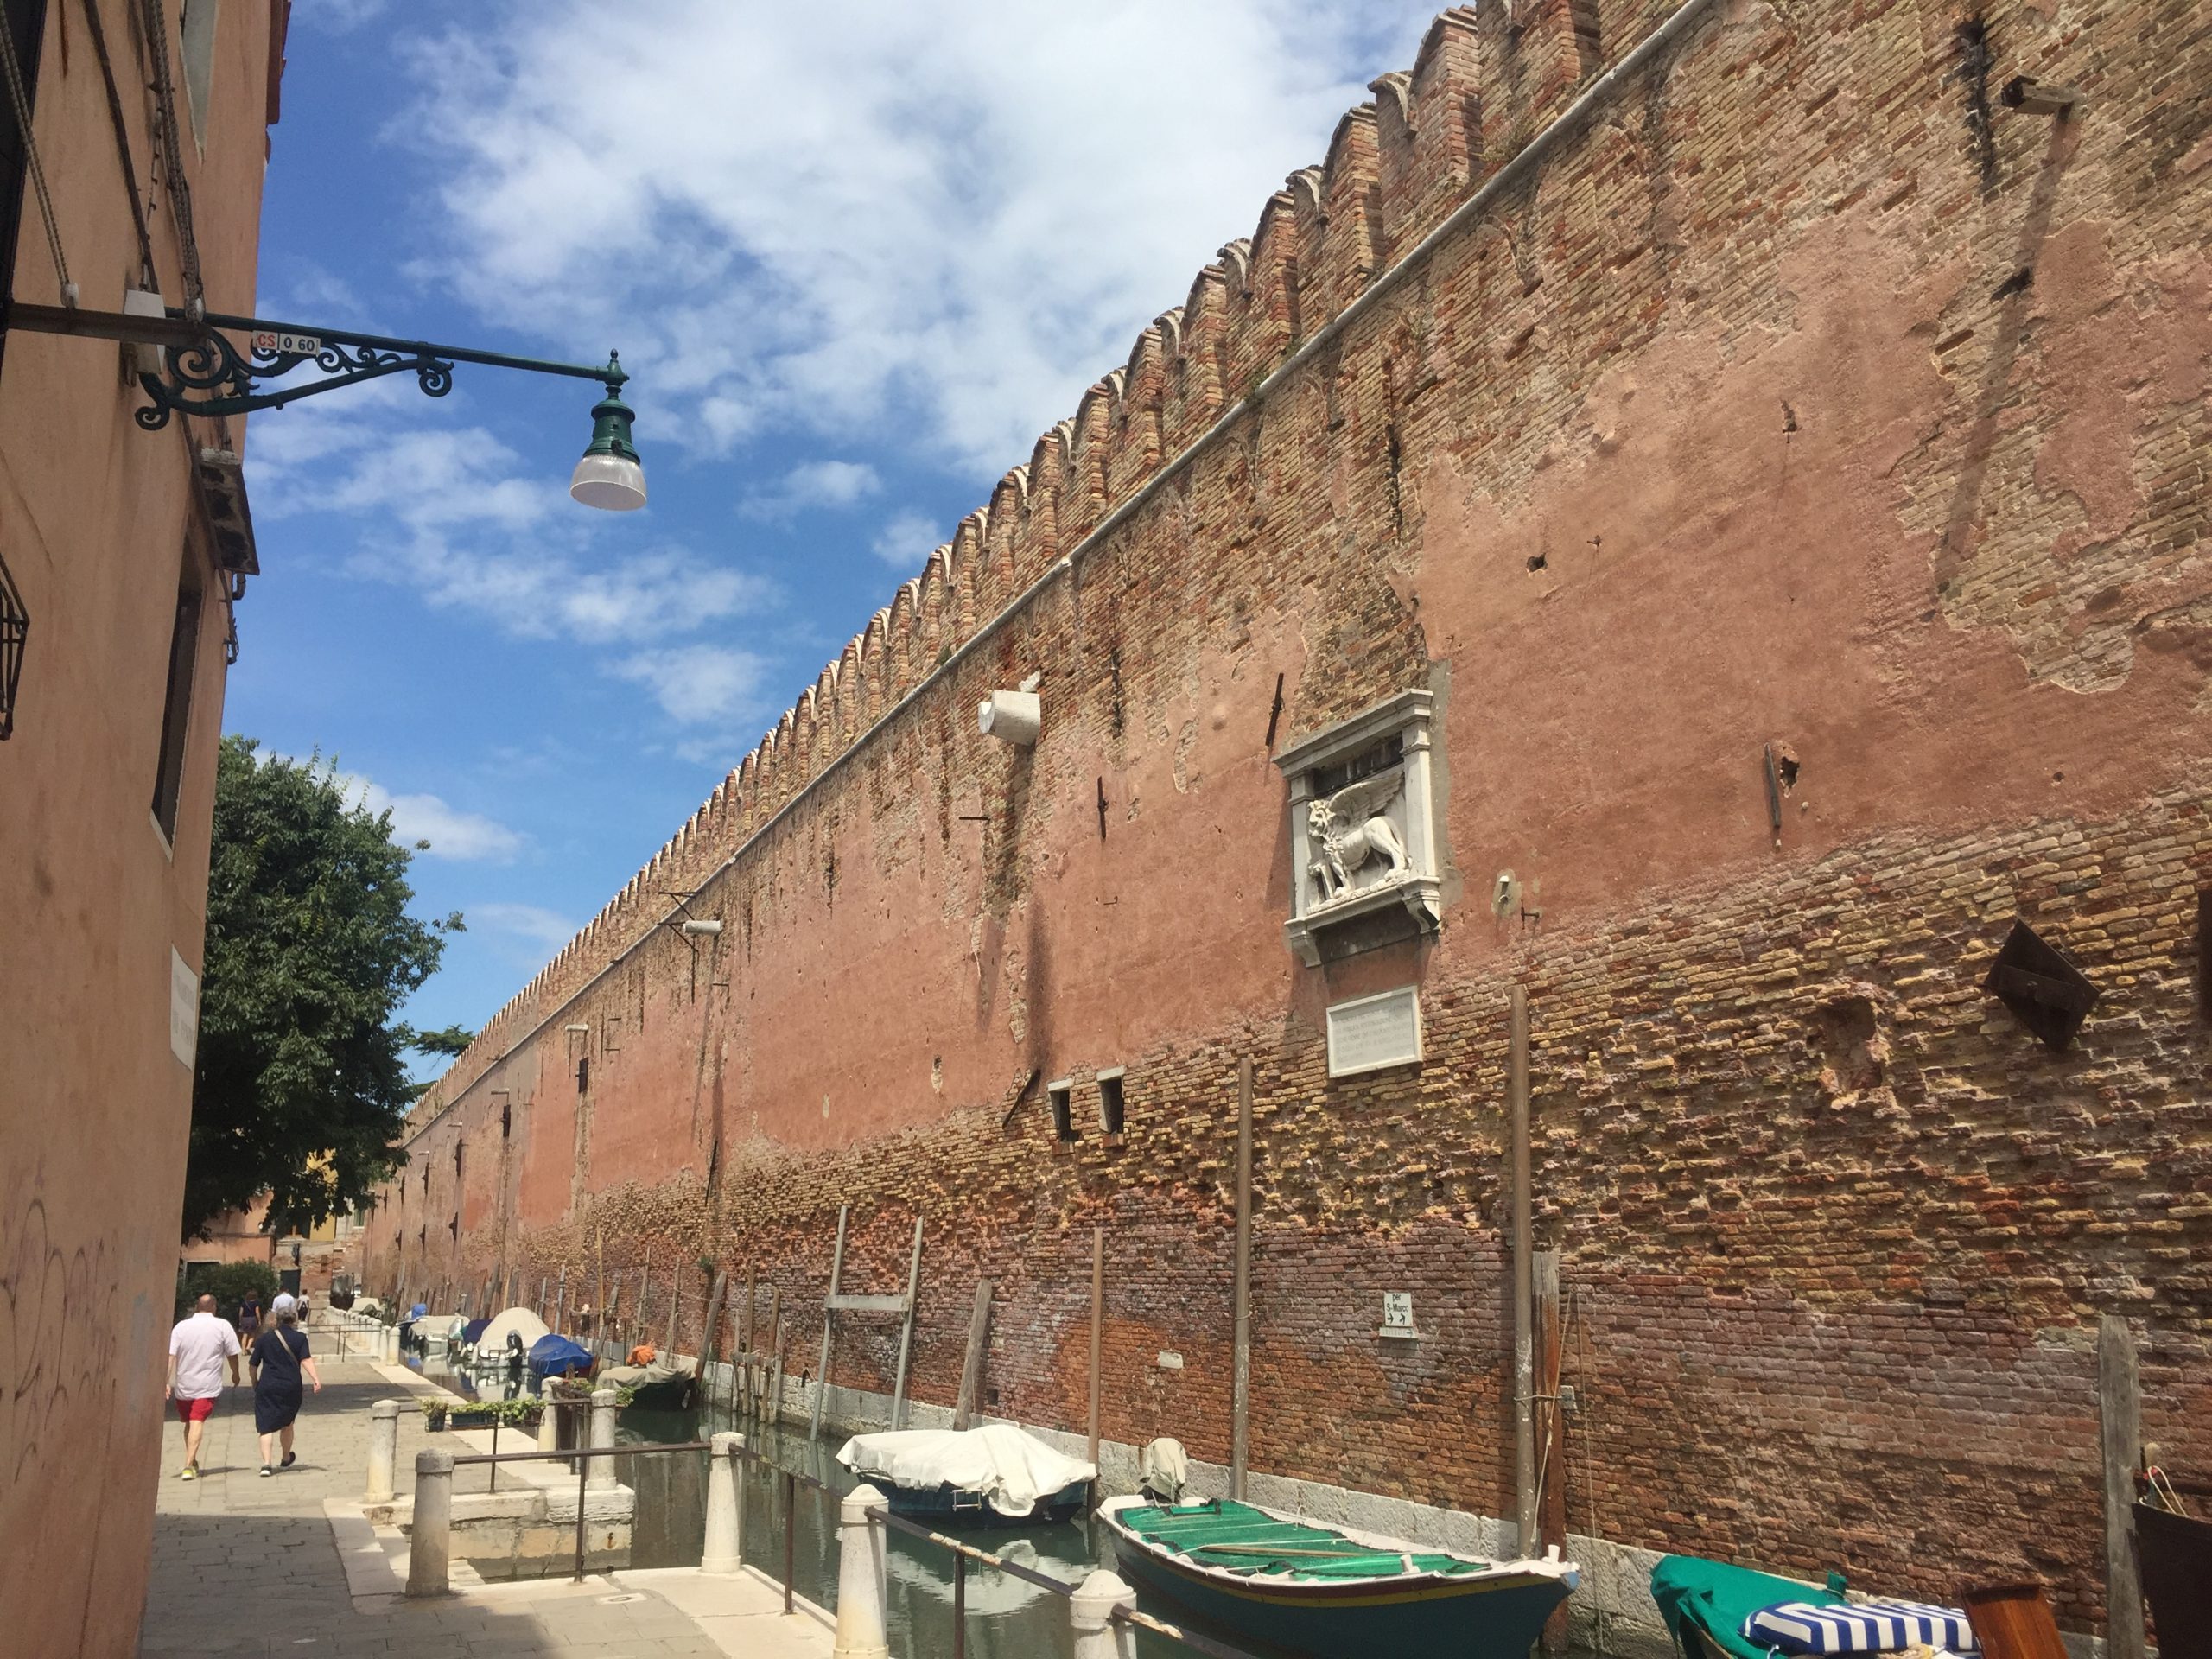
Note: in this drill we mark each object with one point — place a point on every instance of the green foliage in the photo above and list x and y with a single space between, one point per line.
227 1282
523 1412
302 1084
448 1040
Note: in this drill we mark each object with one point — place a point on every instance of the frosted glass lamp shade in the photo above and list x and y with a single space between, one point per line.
609 482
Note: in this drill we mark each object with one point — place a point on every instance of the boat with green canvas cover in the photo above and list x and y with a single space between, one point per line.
1706 1603
1330 1592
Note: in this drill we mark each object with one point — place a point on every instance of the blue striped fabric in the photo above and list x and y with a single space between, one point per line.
1799 1627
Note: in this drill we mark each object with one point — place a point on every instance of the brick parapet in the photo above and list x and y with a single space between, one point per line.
1317 246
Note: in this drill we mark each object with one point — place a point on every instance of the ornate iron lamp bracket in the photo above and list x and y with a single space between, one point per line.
213 376
210 375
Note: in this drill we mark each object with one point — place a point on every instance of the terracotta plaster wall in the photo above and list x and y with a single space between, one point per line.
1794 400
97 520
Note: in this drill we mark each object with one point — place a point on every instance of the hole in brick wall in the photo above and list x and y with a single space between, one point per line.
1785 766
1976 58
583 1074
1109 1105
1063 1099
991 1398
1536 563
2204 956
1853 1050
506 1121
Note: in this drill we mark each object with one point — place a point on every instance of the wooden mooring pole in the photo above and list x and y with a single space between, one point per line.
1551 1433
971 1368
2119 1420
828 1325
1240 1442
708 1336
1097 1328
1524 1356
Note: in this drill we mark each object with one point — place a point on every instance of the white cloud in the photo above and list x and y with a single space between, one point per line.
464 837
915 227
545 929
456 514
337 15
816 484
906 540
698 684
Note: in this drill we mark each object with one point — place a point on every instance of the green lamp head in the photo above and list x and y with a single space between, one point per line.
609 476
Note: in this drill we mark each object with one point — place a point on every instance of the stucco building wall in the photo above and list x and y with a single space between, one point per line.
99 524
1804 396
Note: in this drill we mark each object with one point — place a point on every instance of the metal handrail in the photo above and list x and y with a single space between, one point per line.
962 1553
584 1452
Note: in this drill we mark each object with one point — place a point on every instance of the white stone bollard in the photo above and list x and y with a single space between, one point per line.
725 1550
602 1435
1091 1610
429 1543
863 1588
383 1451
388 1344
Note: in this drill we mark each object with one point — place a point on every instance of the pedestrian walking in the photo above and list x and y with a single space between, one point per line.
249 1317
280 1357
199 1345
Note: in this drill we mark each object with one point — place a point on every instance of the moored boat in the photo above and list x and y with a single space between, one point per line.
554 1355
996 1475
1718 1611
1330 1592
2175 1551
657 1387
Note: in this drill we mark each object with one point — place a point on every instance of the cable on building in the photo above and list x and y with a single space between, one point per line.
19 96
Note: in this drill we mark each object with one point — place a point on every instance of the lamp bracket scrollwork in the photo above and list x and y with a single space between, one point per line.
212 376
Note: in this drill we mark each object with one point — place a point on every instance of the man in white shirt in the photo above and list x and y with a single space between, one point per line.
198 1348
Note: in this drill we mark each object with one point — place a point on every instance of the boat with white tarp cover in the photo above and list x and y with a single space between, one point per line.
996 1475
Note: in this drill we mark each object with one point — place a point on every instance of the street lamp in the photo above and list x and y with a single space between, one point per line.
608 477
195 370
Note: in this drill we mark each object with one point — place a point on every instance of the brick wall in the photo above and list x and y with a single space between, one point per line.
1805 396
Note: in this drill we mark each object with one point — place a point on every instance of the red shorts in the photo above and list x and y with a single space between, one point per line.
195 1411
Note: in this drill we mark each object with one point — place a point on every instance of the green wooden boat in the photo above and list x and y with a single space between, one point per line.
1330 1593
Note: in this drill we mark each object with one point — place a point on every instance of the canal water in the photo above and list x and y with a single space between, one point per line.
1006 1617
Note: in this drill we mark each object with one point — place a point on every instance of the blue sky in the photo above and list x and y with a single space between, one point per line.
857 257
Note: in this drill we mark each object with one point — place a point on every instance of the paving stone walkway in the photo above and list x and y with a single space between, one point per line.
243 1565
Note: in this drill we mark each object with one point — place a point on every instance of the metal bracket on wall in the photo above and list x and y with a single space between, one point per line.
15 630
1021 1094
2040 984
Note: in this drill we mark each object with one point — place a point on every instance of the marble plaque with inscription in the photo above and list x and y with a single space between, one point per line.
1369 1033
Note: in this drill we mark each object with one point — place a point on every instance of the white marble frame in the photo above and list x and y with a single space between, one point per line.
1419 887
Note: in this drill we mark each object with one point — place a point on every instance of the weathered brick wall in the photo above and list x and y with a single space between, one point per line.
1805 396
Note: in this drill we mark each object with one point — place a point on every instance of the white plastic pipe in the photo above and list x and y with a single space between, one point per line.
1011 716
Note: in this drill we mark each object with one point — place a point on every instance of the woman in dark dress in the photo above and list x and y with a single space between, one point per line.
280 1356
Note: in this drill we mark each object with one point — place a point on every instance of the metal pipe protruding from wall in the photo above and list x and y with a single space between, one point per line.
429 1545
602 1437
864 1585
1091 1611
1524 1344
1239 1398
384 1451
725 1548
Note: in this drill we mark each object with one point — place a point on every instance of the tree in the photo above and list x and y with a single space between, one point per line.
302 1087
